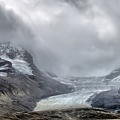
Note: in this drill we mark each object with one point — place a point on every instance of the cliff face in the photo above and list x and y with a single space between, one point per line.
22 84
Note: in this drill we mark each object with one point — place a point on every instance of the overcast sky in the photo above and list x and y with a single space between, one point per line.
66 37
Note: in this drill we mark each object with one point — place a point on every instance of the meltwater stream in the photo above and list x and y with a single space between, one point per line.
85 87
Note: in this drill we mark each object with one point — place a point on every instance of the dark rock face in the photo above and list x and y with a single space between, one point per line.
113 75
73 114
19 92
108 99
6 66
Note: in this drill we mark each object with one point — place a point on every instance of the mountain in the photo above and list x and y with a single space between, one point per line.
22 84
115 74
109 99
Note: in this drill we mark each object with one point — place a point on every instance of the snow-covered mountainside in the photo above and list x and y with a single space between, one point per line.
113 79
115 74
22 84
109 99
13 52
95 91
84 88
17 57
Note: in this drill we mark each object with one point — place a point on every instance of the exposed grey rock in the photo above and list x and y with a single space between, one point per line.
5 66
112 75
70 114
107 99
20 91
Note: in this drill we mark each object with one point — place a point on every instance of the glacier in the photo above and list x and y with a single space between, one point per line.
84 89
19 65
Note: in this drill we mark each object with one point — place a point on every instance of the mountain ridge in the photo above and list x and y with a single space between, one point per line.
20 90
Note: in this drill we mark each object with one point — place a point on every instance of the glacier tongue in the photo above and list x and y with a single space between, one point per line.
84 89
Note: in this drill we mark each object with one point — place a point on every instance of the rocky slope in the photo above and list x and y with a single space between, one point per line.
22 84
71 114
109 99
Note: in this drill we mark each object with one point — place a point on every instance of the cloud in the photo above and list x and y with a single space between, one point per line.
67 37
12 28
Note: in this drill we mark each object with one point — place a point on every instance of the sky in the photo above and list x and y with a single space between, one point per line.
66 37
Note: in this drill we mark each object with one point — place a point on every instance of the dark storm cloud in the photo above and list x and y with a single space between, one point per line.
68 37
14 29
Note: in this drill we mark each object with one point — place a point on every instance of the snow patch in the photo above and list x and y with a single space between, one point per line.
116 79
19 65
4 67
3 74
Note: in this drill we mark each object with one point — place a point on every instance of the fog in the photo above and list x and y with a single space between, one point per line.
66 37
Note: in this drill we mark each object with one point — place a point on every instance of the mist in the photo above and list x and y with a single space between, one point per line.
66 37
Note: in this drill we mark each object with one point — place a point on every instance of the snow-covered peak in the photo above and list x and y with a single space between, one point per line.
17 57
11 51
115 74
19 65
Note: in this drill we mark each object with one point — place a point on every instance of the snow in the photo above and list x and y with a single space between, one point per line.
115 71
4 67
19 65
6 48
3 74
116 79
18 62
84 88
72 100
